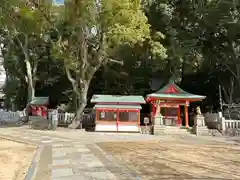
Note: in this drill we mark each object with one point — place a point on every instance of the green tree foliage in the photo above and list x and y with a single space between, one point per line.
84 47
89 34
220 43
25 26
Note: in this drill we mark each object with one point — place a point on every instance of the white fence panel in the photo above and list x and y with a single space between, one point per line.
63 118
232 124
226 126
10 117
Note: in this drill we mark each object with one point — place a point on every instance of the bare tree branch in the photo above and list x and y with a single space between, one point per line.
115 61
68 73
23 46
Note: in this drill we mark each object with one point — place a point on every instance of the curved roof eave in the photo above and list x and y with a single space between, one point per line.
176 97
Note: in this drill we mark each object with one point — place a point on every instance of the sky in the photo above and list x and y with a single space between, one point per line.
59 1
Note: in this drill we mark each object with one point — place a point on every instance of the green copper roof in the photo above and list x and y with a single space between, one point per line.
117 99
116 106
172 91
40 101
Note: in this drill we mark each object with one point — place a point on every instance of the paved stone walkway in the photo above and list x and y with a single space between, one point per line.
73 154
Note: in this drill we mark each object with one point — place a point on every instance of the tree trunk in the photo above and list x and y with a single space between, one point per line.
29 69
31 88
82 102
31 93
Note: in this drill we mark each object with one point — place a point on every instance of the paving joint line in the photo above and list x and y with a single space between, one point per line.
32 168
12 138
108 161
42 134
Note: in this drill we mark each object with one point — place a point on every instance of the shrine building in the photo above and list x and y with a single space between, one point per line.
117 113
167 101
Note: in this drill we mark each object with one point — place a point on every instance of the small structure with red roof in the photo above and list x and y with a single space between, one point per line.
167 101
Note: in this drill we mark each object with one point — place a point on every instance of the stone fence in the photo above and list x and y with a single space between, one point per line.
15 117
63 118
8 117
229 127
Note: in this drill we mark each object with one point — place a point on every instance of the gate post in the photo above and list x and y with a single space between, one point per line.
222 119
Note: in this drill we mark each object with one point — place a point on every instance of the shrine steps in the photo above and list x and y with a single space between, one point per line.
176 130
214 132
170 130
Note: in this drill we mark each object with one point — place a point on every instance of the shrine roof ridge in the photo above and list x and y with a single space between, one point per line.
39 101
100 98
177 96
116 106
172 91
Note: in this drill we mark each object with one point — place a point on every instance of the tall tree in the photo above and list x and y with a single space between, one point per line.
220 27
25 26
178 21
89 33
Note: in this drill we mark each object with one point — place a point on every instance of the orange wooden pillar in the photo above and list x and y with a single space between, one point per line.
117 118
179 116
139 123
186 114
97 114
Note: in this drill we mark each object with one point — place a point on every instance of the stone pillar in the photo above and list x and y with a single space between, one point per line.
158 127
158 120
223 127
200 129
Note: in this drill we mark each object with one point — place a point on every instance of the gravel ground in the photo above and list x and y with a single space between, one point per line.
15 159
174 160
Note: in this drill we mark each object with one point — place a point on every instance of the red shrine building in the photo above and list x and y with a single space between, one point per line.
117 113
167 102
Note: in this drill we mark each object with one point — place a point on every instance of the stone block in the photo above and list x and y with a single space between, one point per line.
88 157
102 175
84 159
67 149
146 129
199 120
57 162
95 163
46 141
57 146
75 177
61 172
201 131
158 130
83 150
58 154
158 120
